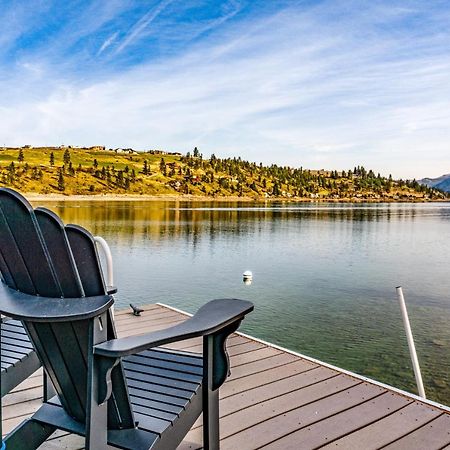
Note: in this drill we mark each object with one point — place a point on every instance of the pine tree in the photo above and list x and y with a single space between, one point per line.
162 166
119 178
20 158
11 172
61 184
66 157
52 159
145 167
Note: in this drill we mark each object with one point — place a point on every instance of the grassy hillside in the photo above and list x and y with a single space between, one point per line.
75 171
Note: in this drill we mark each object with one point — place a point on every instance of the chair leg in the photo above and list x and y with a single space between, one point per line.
49 390
97 415
210 398
29 435
211 420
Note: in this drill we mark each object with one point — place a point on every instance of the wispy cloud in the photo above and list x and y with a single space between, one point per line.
330 85
231 9
142 24
107 43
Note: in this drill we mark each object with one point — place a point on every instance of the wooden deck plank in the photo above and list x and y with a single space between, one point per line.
388 429
299 412
144 318
160 313
140 321
249 357
145 327
265 401
324 431
232 350
265 377
195 343
276 399
432 436
260 365
306 386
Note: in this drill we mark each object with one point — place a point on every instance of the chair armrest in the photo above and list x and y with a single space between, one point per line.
210 318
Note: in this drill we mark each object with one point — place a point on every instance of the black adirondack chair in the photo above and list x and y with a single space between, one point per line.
127 393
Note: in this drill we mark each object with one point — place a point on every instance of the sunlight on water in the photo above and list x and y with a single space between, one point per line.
324 276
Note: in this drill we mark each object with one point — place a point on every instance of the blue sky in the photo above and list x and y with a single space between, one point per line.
319 84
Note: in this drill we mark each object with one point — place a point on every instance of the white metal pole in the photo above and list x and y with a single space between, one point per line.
410 339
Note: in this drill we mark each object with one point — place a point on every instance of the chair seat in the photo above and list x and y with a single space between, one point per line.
18 358
161 382
163 385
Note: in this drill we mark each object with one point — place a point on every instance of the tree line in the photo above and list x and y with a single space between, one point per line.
214 176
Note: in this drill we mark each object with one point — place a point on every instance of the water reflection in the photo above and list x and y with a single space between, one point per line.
164 220
326 273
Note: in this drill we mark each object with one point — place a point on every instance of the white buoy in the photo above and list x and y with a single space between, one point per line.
247 277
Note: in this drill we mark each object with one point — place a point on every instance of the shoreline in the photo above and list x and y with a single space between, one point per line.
33 197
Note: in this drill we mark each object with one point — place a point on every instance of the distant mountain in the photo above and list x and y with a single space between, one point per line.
442 183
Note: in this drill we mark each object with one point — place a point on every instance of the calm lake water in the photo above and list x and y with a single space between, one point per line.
324 274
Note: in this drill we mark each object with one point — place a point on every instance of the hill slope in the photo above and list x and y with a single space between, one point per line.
74 171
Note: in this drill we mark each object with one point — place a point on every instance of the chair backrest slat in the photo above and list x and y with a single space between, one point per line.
15 272
7 276
58 246
87 261
19 223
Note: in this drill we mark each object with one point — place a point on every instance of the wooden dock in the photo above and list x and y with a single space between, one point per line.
277 399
